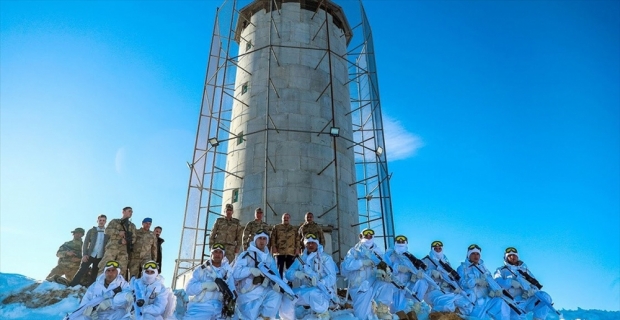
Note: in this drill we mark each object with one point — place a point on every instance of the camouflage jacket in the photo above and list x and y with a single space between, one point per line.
250 230
313 228
226 232
283 239
113 231
64 255
145 247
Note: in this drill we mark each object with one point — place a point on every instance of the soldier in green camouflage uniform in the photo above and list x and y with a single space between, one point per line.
144 250
309 227
227 231
283 243
69 256
253 226
119 231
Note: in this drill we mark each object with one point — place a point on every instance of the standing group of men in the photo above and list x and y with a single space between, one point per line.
120 241
286 240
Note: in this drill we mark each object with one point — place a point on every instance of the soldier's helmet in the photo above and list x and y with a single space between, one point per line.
79 230
229 206
401 239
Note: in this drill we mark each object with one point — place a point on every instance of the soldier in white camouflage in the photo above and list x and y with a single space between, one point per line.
228 232
69 256
283 243
122 233
145 248
309 226
253 226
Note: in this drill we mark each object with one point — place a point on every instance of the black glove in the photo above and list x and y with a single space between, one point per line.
382 265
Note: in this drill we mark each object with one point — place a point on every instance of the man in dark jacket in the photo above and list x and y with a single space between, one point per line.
92 252
157 232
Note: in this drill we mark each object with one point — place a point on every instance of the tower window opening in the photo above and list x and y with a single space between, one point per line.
248 45
235 195
244 88
240 138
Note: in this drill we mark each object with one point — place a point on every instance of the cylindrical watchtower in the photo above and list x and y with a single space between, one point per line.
291 103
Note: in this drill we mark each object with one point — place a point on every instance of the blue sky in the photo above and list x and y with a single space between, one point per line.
503 118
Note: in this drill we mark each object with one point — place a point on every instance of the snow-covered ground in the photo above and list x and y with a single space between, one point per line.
25 298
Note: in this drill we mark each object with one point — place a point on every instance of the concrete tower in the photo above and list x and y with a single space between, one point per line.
290 122
291 91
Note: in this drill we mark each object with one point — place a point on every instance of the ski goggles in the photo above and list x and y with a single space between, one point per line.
150 265
511 250
401 239
437 243
217 246
113 264
368 232
311 236
474 246
262 231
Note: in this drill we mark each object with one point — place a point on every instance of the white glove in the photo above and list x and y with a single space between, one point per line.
420 274
276 287
105 304
528 293
515 284
209 286
300 275
129 297
255 272
403 268
313 281
495 293
381 274
88 311
436 274
481 282
367 262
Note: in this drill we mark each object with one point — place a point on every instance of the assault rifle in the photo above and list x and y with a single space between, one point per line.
447 277
420 265
529 278
393 282
273 278
229 300
453 274
325 289
138 300
128 235
506 296
92 303
77 252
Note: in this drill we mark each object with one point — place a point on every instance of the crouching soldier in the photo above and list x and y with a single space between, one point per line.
316 271
515 277
408 276
258 296
107 298
150 294
209 302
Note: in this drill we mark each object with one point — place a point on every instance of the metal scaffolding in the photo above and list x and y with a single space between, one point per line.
206 189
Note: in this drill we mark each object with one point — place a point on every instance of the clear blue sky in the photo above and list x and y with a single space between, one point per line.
510 111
